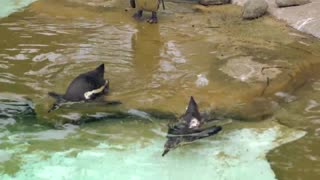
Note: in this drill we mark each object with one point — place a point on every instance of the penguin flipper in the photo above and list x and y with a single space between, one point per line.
203 133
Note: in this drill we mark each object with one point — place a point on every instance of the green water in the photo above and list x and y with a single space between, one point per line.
153 69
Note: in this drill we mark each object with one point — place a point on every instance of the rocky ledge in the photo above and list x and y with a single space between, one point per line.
301 15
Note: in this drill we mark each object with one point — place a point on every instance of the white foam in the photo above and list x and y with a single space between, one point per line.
287 97
202 80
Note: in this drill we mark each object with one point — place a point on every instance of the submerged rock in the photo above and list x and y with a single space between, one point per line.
286 3
254 8
13 105
80 116
244 69
15 109
213 2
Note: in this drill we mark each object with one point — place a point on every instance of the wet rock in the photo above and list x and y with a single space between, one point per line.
12 106
213 2
296 16
254 8
15 109
286 3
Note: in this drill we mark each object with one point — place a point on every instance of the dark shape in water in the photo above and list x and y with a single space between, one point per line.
16 108
85 87
188 128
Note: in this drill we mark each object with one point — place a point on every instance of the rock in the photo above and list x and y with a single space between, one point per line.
286 3
296 16
14 105
15 109
254 8
213 2
246 70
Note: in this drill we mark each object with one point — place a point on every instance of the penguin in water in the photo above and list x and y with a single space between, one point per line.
147 5
85 87
188 128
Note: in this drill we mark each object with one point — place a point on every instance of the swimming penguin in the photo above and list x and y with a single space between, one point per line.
147 5
188 128
85 87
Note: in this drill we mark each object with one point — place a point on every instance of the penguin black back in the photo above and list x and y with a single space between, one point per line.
84 87
85 82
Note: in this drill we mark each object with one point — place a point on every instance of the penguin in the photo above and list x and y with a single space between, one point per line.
85 87
147 5
188 128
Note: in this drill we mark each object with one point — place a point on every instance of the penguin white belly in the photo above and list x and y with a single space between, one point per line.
148 5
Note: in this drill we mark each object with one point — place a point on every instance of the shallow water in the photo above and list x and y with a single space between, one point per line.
155 68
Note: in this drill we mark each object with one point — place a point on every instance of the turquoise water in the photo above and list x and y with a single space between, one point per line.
232 155
10 6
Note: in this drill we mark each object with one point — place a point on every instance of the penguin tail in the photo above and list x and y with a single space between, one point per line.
59 99
56 96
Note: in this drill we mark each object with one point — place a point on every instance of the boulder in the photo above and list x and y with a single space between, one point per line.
254 8
286 3
213 2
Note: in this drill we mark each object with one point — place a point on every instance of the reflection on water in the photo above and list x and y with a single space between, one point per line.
155 67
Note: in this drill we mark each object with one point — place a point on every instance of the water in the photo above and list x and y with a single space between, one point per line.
153 69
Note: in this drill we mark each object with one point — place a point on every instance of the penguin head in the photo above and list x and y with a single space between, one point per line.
172 143
173 137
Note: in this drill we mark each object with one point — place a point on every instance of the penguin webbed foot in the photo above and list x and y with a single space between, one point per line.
153 19
138 15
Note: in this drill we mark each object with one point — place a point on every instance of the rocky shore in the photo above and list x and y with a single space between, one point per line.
301 15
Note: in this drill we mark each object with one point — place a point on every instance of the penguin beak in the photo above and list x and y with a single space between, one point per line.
165 152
